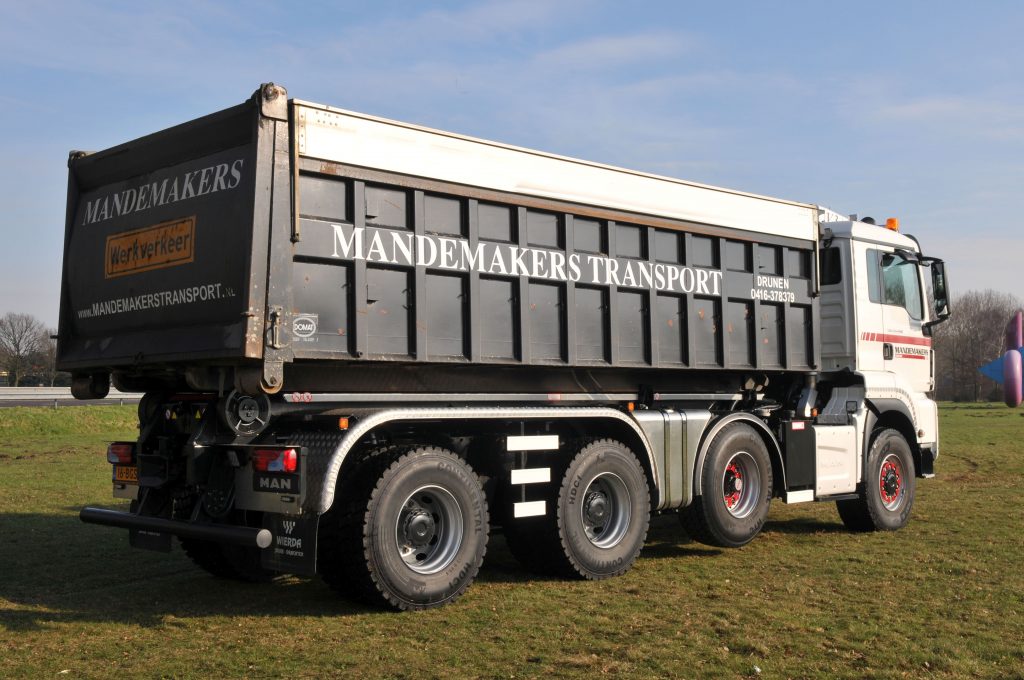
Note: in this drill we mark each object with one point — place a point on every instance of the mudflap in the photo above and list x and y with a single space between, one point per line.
293 550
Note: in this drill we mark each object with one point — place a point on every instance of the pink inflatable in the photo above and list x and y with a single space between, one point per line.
1014 335
1012 376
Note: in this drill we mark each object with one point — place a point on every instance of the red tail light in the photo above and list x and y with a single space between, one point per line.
275 460
121 453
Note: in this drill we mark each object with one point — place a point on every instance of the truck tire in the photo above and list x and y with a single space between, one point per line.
233 562
604 510
410 530
736 490
227 561
887 495
533 541
600 521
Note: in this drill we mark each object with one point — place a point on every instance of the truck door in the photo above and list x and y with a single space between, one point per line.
895 282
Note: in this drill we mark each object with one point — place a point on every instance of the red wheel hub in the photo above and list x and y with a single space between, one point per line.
733 485
890 481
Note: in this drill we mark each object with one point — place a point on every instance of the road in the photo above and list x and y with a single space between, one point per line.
59 396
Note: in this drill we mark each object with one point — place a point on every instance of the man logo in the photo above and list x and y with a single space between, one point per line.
268 483
289 527
304 325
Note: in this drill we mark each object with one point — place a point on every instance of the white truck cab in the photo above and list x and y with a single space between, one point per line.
877 311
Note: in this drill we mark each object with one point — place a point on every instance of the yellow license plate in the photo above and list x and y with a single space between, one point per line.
126 473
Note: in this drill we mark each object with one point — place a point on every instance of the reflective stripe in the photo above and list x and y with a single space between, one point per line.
897 339
529 509
539 442
531 476
800 496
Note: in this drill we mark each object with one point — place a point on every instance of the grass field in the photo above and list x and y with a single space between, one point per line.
944 597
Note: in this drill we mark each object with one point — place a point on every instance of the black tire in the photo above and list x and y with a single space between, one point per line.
533 541
409 529
600 544
854 514
887 495
233 562
600 522
208 557
736 490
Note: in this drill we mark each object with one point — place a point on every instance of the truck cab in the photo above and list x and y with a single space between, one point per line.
880 298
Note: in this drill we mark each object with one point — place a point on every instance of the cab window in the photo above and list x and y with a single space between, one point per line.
892 280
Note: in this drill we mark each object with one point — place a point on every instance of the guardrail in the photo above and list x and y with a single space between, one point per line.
57 396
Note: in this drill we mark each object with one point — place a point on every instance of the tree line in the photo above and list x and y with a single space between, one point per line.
28 352
972 336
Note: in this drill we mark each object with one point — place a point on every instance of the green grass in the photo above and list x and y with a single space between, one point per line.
944 597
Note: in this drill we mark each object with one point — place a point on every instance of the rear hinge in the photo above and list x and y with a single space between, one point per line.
273 377
273 101
251 380
275 320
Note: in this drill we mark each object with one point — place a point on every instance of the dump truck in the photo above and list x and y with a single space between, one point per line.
366 345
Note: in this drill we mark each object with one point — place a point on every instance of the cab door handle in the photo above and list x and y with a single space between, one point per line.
887 351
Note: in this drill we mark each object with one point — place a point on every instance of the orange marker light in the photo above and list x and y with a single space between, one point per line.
343 423
630 406
892 224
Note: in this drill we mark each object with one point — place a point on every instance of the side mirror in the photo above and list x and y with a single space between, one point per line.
940 293
940 290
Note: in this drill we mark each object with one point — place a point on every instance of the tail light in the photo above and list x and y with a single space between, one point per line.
121 453
275 460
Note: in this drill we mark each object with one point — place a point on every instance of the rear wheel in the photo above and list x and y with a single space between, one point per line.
410 530
887 495
736 485
600 520
233 562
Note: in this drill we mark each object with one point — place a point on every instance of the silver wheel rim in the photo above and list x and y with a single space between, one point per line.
741 484
428 532
605 511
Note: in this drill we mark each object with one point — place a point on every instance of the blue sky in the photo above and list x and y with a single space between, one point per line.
908 109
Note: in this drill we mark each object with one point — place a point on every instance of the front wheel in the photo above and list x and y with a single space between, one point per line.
888 492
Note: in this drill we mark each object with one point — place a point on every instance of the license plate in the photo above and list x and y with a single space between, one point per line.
126 473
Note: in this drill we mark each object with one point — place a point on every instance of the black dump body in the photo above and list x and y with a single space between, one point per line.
163 247
216 253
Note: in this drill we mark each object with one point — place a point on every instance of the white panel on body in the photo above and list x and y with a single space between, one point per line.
357 139
529 509
803 496
533 442
531 476
836 459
